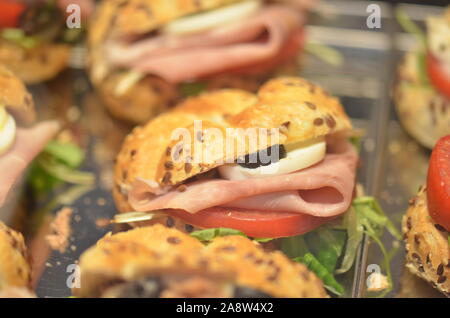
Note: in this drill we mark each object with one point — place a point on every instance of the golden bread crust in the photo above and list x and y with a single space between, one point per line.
15 97
272 273
35 65
428 251
158 250
134 254
141 102
151 95
14 267
298 108
118 17
423 112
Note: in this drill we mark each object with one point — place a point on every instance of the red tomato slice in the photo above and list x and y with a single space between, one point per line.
438 183
259 224
292 47
10 12
437 75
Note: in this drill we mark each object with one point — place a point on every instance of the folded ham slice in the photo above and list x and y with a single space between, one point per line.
187 57
29 142
322 190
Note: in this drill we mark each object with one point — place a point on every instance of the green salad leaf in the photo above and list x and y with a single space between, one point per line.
19 37
319 250
422 68
327 245
325 53
409 26
372 218
322 272
263 240
57 164
73 35
210 234
67 152
369 208
63 172
294 246
192 89
356 142
355 233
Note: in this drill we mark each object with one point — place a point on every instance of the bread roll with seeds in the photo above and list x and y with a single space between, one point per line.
423 112
14 267
299 109
147 95
15 97
35 65
167 263
427 247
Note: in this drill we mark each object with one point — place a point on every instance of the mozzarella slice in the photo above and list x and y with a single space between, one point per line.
7 134
211 19
438 38
298 156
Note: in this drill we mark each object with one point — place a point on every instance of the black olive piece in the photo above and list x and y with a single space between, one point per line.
247 292
264 157
150 287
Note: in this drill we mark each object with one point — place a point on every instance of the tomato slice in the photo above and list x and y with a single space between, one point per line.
292 47
438 77
259 224
10 12
438 183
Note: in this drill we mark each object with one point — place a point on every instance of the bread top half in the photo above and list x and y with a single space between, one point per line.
284 111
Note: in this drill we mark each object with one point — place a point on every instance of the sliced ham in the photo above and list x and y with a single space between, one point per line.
29 142
187 57
322 190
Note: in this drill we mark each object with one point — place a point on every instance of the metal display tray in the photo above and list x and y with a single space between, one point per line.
363 82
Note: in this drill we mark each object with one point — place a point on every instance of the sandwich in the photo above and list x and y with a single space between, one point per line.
15 271
426 224
278 166
158 262
20 140
33 39
307 180
422 88
144 55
